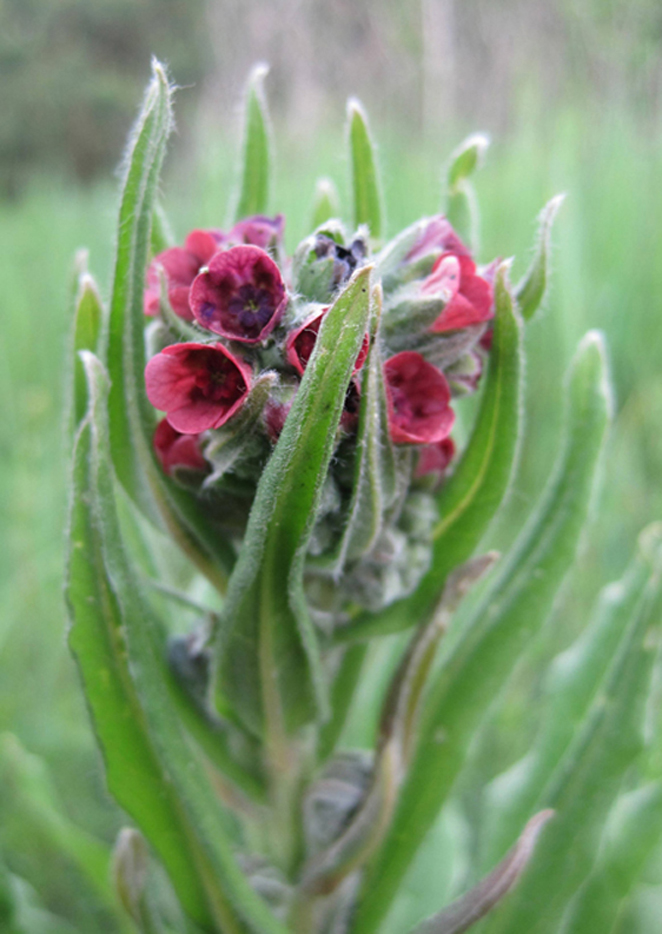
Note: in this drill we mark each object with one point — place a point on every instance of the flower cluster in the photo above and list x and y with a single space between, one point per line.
230 308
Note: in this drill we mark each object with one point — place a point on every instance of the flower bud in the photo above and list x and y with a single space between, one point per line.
322 263
334 798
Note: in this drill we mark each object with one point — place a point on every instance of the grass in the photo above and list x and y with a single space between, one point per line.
607 274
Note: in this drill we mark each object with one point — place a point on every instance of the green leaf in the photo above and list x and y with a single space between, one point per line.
571 684
470 499
28 786
342 694
464 161
131 416
461 203
365 181
88 319
590 776
326 203
268 657
119 646
161 236
513 610
255 171
531 289
632 833
375 481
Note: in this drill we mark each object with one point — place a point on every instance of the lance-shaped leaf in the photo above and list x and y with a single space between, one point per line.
161 235
475 904
326 203
342 694
131 416
366 188
119 647
531 289
590 776
88 319
632 833
255 164
571 685
469 500
512 612
461 203
268 657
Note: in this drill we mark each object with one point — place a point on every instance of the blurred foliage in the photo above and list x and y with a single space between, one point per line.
71 71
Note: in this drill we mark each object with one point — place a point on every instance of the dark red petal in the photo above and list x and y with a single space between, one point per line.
202 244
177 450
418 396
258 231
241 296
435 458
198 386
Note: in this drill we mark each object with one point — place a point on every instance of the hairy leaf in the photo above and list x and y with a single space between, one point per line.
530 291
512 611
589 777
119 646
255 172
269 667
131 416
471 497
368 207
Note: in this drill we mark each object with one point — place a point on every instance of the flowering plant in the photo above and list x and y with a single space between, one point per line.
288 422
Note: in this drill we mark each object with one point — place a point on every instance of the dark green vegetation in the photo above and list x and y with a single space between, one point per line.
608 238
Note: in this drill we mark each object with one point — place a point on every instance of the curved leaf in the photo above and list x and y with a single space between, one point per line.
530 291
268 658
131 417
571 684
590 776
513 610
471 497
119 648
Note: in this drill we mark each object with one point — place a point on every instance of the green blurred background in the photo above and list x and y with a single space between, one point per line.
570 92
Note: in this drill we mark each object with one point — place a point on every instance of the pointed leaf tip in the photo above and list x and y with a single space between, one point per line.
532 288
467 158
256 149
475 904
366 186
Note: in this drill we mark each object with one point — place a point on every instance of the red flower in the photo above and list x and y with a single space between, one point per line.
301 342
174 449
181 265
241 295
418 400
259 231
198 386
471 295
437 236
435 458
